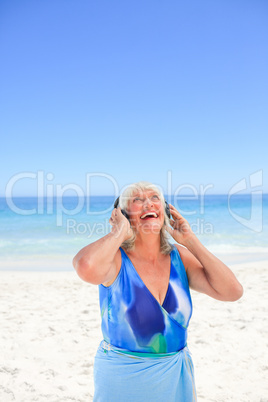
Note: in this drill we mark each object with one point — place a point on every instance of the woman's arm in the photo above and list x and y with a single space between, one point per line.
206 273
97 262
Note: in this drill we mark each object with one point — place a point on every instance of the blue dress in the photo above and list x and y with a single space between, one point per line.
144 355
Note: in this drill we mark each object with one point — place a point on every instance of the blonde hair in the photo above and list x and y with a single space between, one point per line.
124 199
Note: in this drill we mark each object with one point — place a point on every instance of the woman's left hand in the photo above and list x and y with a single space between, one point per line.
181 229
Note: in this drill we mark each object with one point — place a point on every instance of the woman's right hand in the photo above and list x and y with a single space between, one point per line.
120 224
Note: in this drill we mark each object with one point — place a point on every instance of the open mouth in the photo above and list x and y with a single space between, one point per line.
149 215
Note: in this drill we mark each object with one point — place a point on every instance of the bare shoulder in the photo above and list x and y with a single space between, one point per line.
183 253
117 266
180 248
188 259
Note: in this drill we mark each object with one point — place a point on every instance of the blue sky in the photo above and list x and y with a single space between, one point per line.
135 90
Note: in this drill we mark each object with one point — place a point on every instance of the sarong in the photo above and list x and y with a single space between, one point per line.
124 376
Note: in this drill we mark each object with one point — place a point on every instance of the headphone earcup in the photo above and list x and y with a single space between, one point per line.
116 204
167 209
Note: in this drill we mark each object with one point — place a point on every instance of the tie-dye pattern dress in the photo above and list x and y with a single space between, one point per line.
144 355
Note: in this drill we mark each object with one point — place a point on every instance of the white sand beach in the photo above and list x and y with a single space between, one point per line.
50 330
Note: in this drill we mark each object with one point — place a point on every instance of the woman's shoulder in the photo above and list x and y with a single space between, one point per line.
183 253
179 247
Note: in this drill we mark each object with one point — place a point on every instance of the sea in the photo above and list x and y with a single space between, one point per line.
54 229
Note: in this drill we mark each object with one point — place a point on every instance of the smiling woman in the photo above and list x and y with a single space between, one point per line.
145 302
139 199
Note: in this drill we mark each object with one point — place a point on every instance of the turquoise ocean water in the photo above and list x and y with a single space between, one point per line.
57 228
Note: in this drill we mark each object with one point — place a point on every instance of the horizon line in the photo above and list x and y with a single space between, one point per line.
111 195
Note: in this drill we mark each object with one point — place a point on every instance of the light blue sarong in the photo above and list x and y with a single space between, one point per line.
123 376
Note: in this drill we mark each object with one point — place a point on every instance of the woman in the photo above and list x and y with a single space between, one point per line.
145 299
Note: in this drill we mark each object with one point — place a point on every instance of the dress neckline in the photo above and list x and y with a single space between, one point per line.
161 305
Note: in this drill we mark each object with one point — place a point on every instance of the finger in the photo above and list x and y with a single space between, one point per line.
172 207
119 211
176 213
115 212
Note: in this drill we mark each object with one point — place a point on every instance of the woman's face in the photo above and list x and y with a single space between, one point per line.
146 211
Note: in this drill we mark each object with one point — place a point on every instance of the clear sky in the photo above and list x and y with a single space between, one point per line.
136 90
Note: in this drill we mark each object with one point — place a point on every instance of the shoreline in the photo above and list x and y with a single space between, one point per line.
63 263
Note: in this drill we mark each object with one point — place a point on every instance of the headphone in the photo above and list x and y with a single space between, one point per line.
116 203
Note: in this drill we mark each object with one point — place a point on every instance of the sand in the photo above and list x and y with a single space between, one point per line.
50 330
